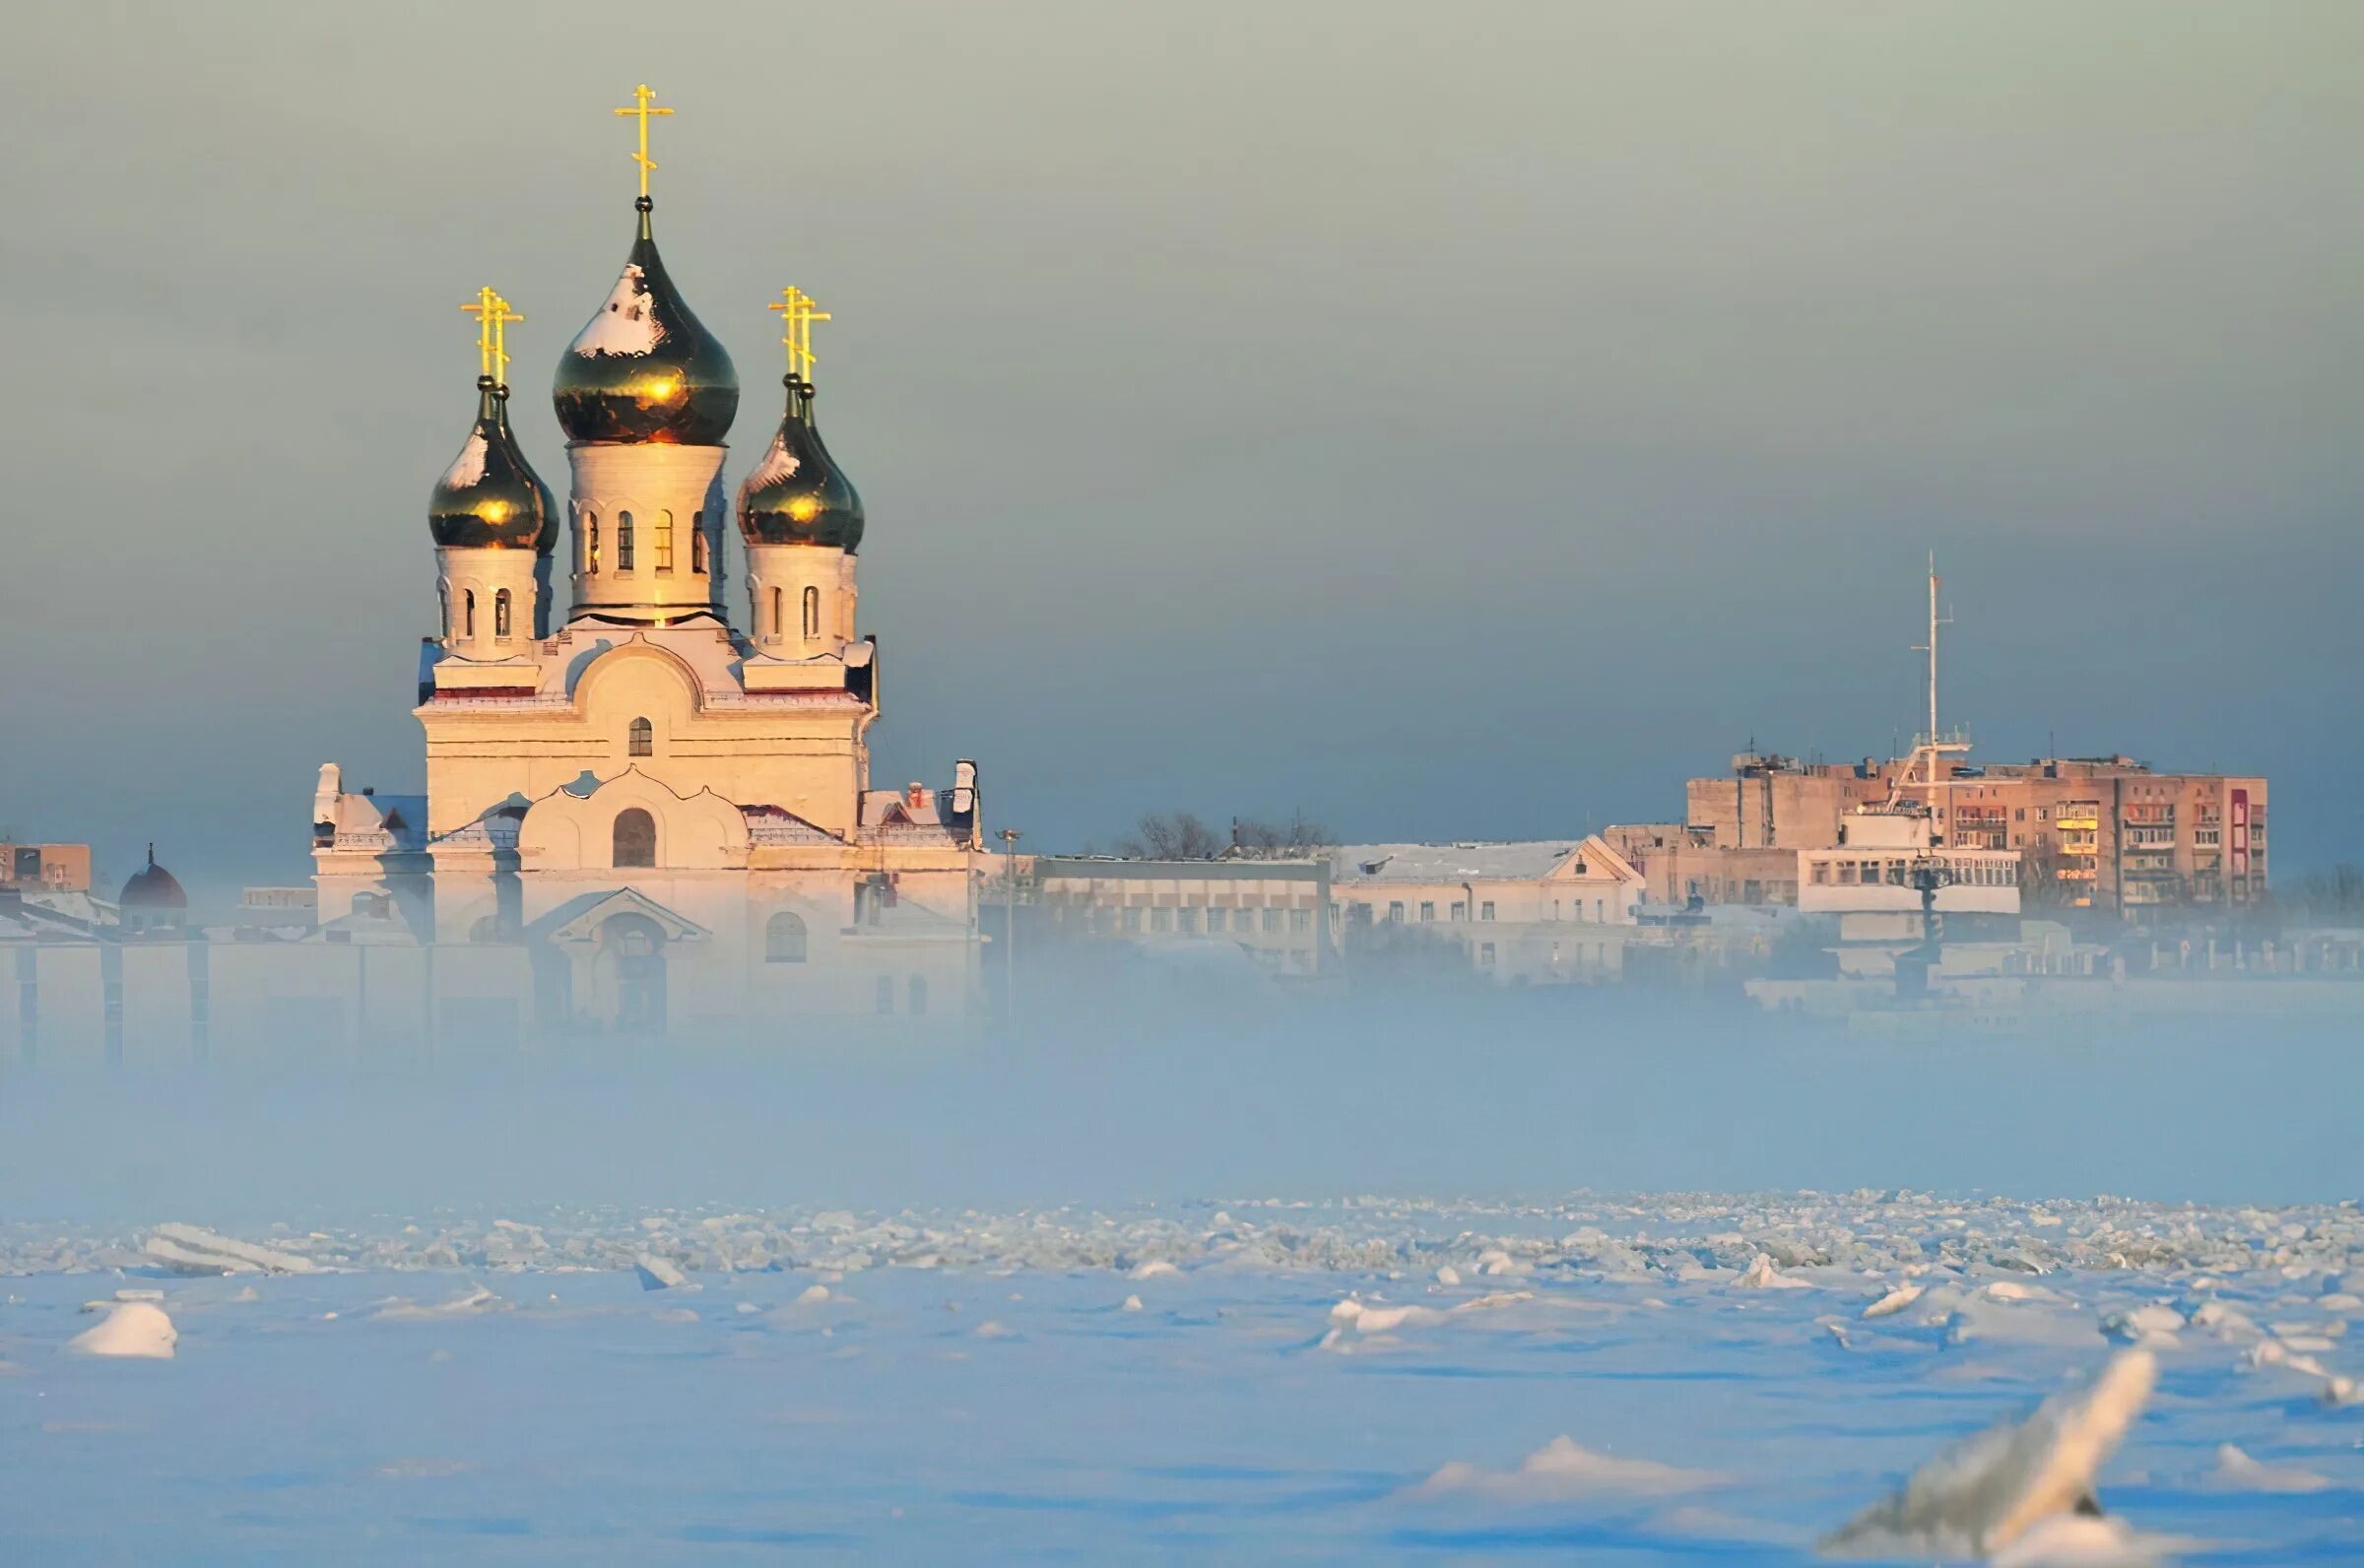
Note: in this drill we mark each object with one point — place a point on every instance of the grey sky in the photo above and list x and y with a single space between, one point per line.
1452 421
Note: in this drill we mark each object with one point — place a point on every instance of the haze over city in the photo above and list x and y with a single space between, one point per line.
1448 426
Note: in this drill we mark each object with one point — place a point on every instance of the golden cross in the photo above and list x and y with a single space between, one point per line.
641 94
795 333
493 315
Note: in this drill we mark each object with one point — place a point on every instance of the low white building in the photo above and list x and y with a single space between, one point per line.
1541 911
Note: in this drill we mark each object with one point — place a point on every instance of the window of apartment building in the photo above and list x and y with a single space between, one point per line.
1485 911
1133 918
1596 910
1461 910
1394 911
1215 921
1271 919
1161 920
1186 919
1300 919
1485 953
1821 875
1428 910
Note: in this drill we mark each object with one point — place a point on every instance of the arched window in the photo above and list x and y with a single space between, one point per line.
779 616
784 939
885 995
697 543
635 839
500 615
590 543
468 623
443 601
643 740
665 542
812 611
624 541
919 997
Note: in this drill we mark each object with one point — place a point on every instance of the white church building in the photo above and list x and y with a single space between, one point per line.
640 815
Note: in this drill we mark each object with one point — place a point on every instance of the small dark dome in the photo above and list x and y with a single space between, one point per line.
643 369
153 887
797 495
491 498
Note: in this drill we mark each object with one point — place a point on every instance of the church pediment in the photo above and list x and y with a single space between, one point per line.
579 919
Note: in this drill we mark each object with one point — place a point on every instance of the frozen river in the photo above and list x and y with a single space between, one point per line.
1233 1381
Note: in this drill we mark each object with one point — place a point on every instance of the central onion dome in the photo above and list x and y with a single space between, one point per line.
491 498
797 495
643 371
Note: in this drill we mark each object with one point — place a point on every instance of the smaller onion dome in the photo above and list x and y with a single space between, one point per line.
491 498
797 494
643 369
152 887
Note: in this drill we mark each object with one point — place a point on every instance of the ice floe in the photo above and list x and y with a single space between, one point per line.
187 1249
1991 1491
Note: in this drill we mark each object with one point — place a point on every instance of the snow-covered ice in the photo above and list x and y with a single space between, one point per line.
446 1385
136 1328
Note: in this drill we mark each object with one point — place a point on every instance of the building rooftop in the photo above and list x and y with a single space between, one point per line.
1497 861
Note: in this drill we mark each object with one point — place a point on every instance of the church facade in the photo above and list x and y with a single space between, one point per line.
642 815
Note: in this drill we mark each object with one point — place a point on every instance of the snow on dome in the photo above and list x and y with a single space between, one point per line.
627 324
778 463
469 467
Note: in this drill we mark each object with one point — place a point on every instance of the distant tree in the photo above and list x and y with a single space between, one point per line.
1297 836
2333 897
2040 885
1170 835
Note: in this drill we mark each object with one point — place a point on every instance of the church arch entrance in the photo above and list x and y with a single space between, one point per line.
632 972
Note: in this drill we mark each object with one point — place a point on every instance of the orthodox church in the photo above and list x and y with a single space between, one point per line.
638 811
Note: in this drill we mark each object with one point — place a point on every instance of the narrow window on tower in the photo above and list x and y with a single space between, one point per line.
468 613
590 543
665 542
812 611
643 741
443 601
697 543
624 541
778 615
500 616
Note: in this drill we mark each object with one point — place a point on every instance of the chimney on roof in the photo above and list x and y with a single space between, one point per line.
915 795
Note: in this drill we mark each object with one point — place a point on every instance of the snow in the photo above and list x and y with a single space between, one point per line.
1562 1469
1612 1398
2236 1472
138 1330
625 324
1894 1302
469 467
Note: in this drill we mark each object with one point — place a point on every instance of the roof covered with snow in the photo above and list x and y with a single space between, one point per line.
1499 861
